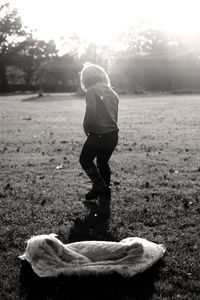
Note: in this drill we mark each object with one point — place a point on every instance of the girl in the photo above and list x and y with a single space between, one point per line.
100 126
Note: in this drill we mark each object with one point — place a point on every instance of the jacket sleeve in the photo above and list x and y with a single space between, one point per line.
116 106
89 122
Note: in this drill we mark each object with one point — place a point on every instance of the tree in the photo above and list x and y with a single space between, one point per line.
11 30
62 73
20 52
155 60
32 56
143 39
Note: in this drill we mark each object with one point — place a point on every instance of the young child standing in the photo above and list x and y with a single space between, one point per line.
100 126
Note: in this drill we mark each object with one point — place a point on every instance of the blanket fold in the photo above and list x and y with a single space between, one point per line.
49 257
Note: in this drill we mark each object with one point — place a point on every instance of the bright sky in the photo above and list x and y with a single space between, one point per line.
101 21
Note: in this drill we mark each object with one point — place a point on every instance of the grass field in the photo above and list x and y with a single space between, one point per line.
155 193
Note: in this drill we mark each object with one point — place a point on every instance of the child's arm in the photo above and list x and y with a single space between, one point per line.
90 113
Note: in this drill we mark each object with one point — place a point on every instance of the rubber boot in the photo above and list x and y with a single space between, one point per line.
99 188
106 175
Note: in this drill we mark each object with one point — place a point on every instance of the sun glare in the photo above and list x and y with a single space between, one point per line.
103 21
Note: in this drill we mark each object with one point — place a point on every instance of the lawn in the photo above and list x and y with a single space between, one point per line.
155 193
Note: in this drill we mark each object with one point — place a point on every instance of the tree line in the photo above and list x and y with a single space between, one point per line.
151 60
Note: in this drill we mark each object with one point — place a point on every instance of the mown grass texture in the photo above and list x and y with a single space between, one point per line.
155 193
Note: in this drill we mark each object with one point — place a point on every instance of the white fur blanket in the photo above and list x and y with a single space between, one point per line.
49 257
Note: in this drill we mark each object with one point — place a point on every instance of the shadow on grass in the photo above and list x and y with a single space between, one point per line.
113 287
95 225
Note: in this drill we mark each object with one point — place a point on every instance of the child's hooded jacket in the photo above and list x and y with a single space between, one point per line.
101 113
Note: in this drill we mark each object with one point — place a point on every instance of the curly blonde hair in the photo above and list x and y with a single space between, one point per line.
92 74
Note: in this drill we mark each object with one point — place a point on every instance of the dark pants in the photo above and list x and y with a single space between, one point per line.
100 147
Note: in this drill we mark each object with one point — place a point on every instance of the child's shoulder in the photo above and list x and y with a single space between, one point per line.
91 88
101 89
91 92
94 89
96 86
